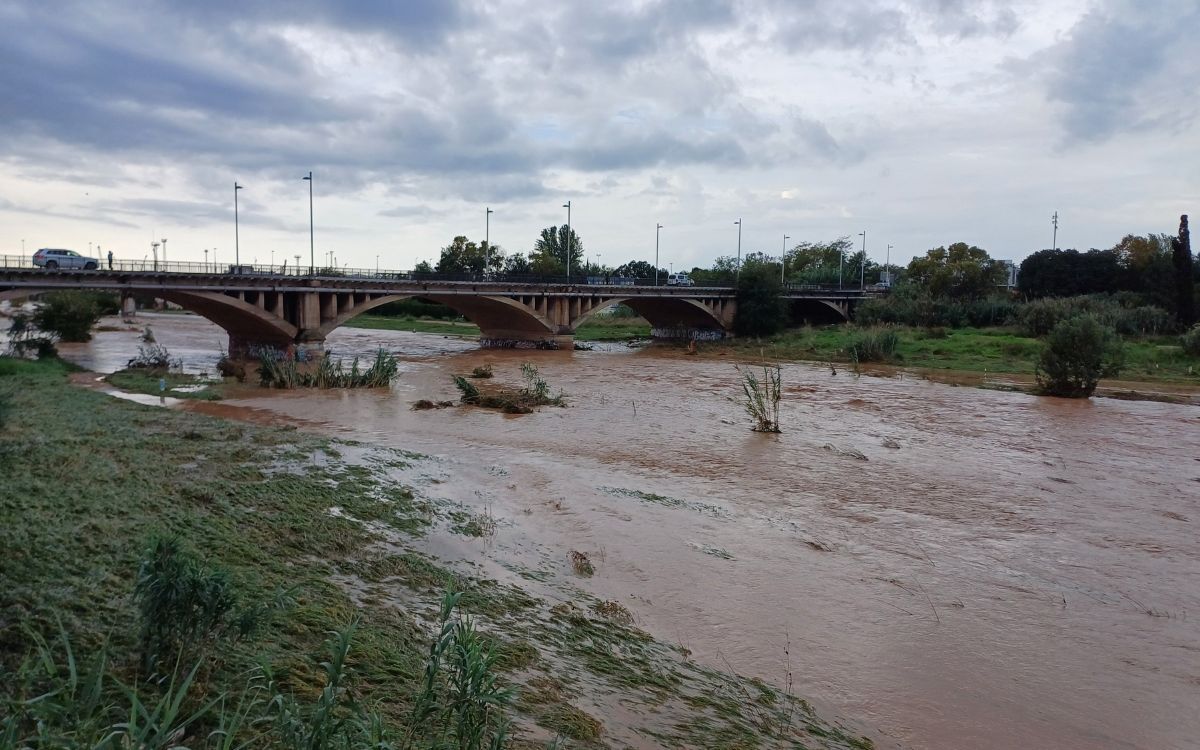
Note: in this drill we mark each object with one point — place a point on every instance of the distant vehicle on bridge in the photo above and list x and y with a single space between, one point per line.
52 258
680 279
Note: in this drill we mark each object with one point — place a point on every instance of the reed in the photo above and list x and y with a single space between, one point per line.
761 396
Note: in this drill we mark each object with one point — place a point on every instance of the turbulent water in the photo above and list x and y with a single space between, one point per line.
944 567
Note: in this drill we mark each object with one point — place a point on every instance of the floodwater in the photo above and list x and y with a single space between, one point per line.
995 570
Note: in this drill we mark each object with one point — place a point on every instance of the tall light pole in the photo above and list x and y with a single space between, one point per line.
487 239
862 263
376 265
237 259
739 259
164 253
658 228
783 261
1054 220
206 260
312 257
567 206
297 257
887 265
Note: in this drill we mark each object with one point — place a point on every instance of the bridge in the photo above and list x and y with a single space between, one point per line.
282 309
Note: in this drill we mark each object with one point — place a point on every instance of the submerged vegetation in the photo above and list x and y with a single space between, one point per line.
535 393
278 371
1078 353
287 549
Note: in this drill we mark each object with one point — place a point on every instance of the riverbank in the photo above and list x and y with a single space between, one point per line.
90 478
1153 361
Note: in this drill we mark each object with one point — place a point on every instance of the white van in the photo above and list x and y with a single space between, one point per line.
679 279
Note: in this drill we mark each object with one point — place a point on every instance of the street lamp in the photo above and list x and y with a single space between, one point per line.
739 259
376 265
657 229
206 260
236 248
297 257
487 239
567 206
887 265
862 263
783 261
312 258
164 253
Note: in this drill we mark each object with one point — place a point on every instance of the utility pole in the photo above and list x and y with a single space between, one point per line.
739 258
567 206
862 263
1054 221
657 229
887 265
783 261
312 258
237 257
487 239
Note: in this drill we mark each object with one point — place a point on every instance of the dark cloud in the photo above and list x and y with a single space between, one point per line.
1126 68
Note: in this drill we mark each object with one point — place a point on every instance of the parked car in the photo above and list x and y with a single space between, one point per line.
48 257
680 279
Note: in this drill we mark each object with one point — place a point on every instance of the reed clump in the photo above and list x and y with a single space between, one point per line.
761 396
278 371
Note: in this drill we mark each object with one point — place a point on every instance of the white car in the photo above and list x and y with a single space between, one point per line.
54 258
679 279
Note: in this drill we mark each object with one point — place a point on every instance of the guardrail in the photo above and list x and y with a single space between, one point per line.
21 262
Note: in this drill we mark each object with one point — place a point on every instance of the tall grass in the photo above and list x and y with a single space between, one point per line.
874 345
761 396
1190 341
277 371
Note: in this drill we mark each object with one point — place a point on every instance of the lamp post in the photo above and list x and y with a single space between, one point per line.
297 257
739 258
657 229
567 206
312 258
237 259
1054 221
487 239
206 260
862 263
376 265
887 265
783 261
164 253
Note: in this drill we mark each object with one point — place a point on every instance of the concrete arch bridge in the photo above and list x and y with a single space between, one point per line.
299 312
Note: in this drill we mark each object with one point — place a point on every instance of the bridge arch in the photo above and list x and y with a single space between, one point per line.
498 318
819 311
665 313
244 322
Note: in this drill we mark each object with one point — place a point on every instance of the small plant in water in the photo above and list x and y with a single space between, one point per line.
761 396
483 371
581 564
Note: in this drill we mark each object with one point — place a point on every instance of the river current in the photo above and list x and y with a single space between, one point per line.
943 567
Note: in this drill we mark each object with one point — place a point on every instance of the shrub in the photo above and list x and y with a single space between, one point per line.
1079 352
24 339
153 356
1039 317
69 315
913 307
185 605
876 345
483 371
1190 341
761 310
278 371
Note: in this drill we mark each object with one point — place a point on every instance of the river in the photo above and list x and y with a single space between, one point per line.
944 567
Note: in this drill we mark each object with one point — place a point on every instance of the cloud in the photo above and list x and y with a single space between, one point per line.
1125 67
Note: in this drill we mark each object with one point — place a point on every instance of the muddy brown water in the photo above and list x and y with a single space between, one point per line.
1001 570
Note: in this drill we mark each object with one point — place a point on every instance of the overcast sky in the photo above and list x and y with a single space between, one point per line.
922 123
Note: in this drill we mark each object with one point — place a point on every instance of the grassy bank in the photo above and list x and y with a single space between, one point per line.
995 350
602 329
178 385
88 479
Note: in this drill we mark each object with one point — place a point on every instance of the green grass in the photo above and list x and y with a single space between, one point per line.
596 329
998 350
147 381
89 479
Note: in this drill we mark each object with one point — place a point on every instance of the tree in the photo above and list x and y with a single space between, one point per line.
517 263
549 254
464 256
819 262
724 271
1079 352
1064 273
423 267
68 315
960 271
638 269
1181 255
761 310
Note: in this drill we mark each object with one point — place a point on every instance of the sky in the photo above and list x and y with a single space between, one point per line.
920 123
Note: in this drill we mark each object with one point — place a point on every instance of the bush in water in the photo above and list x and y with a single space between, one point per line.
69 315
1078 353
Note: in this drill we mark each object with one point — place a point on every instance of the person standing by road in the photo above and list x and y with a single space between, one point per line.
110 260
